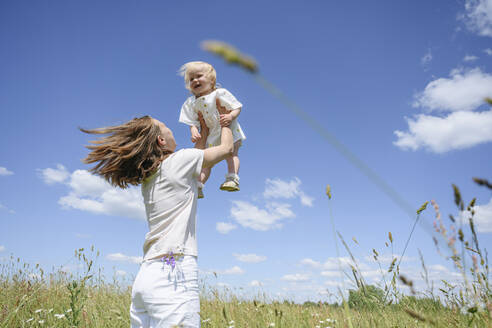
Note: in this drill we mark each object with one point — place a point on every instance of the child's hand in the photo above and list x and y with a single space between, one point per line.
225 119
195 135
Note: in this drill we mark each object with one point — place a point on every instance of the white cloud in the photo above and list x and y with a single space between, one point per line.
250 258
464 90
470 58
306 200
458 130
256 283
4 171
224 227
3 207
311 263
334 263
426 59
250 216
482 218
223 285
438 267
298 277
51 176
277 188
388 258
371 274
478 16
488 51
83 183
124 258
2 248
91 193
234 270
120 273
332 274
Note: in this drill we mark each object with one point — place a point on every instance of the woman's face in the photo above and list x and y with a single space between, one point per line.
166 139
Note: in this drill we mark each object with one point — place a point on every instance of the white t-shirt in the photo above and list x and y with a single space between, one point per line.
207 106
170 198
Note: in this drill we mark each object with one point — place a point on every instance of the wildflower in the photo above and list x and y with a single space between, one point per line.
475 262
69 310
423 207
169 260
41 322
272 324
59 315
206 320
38 310
29 320
232 322
328 191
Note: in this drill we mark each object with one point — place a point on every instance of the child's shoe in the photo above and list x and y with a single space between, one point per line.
231 183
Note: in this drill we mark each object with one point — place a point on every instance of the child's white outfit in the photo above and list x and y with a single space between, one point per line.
207 107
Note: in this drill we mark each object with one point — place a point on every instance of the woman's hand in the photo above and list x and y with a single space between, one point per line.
203 126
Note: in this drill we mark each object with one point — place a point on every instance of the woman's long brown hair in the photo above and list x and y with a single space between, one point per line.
128 154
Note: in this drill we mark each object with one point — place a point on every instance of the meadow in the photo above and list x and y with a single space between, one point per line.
86 298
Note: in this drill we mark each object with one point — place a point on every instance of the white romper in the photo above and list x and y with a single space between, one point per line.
206 105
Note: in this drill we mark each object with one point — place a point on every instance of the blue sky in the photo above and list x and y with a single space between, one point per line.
400 84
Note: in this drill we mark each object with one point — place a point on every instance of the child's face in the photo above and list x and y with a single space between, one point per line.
199 83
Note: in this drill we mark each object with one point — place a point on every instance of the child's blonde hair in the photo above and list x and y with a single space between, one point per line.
195 65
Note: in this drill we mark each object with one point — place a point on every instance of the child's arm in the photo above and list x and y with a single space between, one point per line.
226 119
195 135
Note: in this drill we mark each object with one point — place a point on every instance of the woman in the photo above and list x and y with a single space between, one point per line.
142 151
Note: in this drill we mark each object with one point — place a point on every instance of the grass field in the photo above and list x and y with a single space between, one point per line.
29 297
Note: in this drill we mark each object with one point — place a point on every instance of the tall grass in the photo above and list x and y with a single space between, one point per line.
84 297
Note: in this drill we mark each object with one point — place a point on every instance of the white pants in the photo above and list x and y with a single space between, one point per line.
164 297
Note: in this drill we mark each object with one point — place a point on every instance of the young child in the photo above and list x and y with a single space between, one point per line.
200 79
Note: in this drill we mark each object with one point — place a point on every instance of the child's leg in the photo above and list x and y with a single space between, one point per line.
233 160
232 179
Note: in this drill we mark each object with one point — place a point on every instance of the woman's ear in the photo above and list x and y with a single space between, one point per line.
161 141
